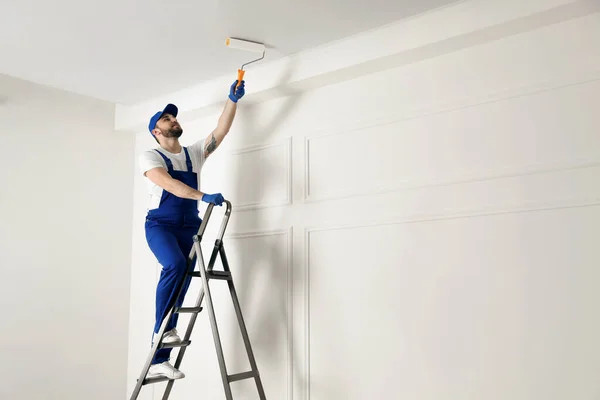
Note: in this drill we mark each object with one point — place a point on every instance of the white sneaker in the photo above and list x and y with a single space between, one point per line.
171 337
165 369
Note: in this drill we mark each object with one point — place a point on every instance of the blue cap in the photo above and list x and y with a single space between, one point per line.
169 109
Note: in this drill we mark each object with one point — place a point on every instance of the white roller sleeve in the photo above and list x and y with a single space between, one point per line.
244 45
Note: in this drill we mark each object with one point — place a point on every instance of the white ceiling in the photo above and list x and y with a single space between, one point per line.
129 50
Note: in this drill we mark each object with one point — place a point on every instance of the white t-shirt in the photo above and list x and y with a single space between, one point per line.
151 159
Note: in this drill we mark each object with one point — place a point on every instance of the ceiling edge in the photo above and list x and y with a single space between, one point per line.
429 35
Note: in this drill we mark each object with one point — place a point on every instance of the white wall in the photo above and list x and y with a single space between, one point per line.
423 231
65 246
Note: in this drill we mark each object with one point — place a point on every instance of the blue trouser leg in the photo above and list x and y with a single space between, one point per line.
171 246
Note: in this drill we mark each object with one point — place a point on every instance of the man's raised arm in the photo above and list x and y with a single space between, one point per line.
225 120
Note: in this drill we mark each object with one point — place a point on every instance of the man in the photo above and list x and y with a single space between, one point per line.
173 176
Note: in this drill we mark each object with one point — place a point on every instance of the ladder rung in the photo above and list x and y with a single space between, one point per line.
240 376
218 275
188 310
224 275
156 379
183 343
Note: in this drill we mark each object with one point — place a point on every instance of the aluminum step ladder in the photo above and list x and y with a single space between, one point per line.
206 275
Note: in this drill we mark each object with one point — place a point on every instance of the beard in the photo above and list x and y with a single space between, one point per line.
174 132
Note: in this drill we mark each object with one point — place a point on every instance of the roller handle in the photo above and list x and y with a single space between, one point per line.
240 77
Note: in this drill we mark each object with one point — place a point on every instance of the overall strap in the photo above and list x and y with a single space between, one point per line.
169 163
188 160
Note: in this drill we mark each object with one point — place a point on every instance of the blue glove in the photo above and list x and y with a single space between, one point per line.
236 93
216 198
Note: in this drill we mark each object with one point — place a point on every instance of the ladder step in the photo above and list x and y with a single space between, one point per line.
240 376
223 275
183 343
188 310
156 379
218 275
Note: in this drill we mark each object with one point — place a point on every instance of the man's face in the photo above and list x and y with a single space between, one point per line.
169 127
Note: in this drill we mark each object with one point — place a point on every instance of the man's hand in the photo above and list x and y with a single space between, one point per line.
237 93
216 198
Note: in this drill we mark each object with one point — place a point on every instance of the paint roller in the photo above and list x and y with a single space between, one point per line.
246 45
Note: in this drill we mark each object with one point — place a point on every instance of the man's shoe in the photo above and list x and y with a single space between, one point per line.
165 370
171 337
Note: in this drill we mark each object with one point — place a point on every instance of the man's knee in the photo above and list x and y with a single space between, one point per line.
176 264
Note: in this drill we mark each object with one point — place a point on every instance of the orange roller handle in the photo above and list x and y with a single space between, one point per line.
240 77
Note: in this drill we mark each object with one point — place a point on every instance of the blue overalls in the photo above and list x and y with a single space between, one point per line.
169 232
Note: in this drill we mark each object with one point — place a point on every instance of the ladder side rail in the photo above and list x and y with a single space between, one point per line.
242 326
190 326
215 329
200 261
140 382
